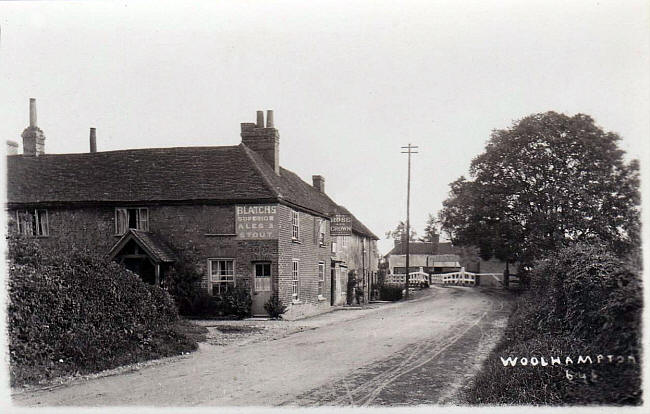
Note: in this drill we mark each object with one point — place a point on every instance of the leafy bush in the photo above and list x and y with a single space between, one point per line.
583 301
275 307
182 281
238 302
72 312
390 292
204 305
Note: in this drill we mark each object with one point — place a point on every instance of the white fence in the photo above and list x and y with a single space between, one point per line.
462 278
414 278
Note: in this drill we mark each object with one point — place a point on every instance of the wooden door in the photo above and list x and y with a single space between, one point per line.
261 287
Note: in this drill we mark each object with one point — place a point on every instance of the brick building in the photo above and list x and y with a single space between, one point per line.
353 254
233 211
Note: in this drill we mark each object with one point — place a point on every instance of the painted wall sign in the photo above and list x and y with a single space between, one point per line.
341 225
256 222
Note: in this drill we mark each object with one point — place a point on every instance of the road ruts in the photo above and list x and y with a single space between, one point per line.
427 372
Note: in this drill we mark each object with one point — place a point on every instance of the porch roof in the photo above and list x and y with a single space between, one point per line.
155 248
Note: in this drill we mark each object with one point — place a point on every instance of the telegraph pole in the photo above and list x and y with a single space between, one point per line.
409 150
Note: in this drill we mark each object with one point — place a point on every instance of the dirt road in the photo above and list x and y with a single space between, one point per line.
419 352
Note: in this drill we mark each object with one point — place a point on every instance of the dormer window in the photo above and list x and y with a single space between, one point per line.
131 218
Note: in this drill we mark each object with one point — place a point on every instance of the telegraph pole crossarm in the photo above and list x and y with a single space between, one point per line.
410 149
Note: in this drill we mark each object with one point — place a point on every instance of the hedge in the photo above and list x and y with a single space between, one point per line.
583 301
72 312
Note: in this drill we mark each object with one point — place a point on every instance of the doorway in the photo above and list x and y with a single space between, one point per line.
261 287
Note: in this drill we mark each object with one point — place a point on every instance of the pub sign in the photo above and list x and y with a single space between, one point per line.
341 225
256 222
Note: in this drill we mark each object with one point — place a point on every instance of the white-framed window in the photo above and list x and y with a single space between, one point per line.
333 246
32 222
222 275
322 226
344 241
131 218
321 278
262 277
295 225
295 277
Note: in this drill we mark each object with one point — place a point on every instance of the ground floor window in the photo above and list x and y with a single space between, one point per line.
295 274
262 277
321 277
222 275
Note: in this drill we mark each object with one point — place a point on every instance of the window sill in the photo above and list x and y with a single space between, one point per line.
295 241
296 302
321 298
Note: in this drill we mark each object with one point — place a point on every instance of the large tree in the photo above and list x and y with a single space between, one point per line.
547 181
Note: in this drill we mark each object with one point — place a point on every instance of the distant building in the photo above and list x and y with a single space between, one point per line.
440 257
233 211
422 256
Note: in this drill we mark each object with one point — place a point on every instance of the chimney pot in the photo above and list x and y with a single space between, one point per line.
12 147
260 119
318 182
93 140
32 112
269 119
33 137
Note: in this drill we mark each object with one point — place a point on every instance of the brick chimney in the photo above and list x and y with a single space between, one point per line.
93 140
263 140
12 147
319 182
33 137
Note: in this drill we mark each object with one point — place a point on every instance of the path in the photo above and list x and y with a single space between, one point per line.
418 352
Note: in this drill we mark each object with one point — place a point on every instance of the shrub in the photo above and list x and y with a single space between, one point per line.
390 292
182 281
237 302
590 289
73 312
583 301
275 307
204 305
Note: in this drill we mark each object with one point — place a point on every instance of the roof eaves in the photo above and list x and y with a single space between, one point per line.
94 203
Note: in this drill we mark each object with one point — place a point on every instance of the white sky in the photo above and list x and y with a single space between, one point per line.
350 81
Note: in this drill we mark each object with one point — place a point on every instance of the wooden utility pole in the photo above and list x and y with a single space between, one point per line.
409 150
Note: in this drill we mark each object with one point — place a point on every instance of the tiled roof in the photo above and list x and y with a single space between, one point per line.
155 174
218 174
414 248
447 248
292 188
357 226
154 246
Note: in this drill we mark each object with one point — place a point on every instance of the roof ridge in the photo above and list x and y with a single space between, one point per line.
265 179
94 154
